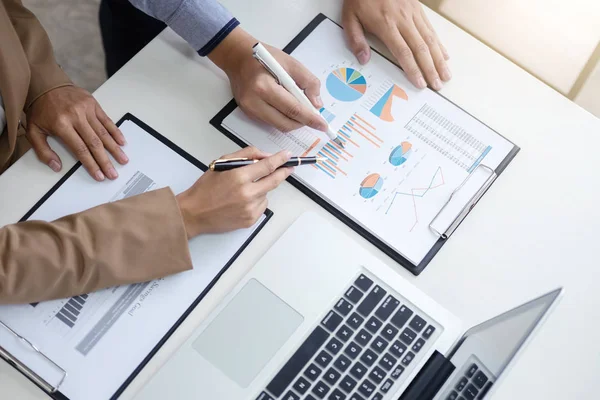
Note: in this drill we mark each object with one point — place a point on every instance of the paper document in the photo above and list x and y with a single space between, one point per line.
101 338
406 150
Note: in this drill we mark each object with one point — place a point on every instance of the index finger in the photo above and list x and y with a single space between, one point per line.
247 152
267 166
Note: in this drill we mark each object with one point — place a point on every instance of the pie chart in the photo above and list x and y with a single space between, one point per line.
370 186
346 84
400 154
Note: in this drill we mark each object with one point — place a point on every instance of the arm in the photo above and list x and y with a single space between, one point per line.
45 72
133 240
202 23
55 107
212 31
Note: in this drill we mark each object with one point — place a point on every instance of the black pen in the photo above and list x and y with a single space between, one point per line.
231 163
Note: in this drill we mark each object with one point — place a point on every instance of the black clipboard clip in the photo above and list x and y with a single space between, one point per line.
470 204
28 372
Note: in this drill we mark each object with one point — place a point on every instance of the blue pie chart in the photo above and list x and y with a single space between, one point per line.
400 154
370 186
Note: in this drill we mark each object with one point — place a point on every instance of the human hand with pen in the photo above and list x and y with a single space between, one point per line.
225 201
257 92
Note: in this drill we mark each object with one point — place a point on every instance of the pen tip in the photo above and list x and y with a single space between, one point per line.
339 142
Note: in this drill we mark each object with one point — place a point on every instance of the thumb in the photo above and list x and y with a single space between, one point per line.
355 35
42 149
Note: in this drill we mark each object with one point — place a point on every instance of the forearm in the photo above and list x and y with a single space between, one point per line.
133 240
202 23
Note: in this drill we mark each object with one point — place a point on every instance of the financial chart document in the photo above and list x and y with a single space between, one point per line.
405 150
100 338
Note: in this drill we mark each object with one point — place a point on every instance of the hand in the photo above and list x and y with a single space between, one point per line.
405 30
256 91
73 115
225 201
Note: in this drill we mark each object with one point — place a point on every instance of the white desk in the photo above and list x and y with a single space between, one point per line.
536 229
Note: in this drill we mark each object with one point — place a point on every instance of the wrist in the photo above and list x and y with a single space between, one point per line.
186 209
232 50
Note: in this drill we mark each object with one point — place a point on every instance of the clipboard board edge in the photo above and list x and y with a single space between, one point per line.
268 214
415 269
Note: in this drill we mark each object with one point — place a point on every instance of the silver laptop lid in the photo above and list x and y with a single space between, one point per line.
504 335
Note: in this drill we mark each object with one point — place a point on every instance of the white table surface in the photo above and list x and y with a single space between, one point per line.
536 229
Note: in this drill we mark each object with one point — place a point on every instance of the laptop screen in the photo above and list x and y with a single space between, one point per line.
499 338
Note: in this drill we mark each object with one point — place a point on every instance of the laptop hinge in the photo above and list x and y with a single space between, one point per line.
430 378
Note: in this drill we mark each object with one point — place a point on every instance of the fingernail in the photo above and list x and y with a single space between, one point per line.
54 165
362 56
288 154
421 84
124 156
112 174
446 74
437 84
319 101
99 176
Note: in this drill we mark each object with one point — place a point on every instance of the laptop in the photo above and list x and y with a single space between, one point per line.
318 318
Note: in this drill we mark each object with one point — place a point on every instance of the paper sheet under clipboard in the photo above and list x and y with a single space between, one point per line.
406 151
101 338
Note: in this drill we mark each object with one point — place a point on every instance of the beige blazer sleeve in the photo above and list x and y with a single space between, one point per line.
133 240
46 74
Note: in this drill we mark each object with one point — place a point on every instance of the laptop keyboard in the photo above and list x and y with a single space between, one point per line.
472 384
370 340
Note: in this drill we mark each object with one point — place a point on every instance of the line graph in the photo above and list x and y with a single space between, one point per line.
420 193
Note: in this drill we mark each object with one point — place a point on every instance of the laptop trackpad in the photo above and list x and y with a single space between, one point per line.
247 333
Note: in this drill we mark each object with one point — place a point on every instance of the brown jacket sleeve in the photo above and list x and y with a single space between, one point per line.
46 74
133 240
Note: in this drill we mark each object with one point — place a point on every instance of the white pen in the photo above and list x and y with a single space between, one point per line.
285 80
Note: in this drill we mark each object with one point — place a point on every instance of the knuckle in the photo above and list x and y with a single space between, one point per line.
238 178
421 48
95 143
405 53
314 82
294 111
271 165
413 71
102 132
81 149
429 40
246 195
285 128
261 87
389 21
63 121
405 14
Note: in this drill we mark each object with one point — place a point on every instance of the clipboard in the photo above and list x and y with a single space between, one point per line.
415 269
52 389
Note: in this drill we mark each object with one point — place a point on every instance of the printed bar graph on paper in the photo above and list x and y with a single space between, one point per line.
70 311
448 138
357 127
